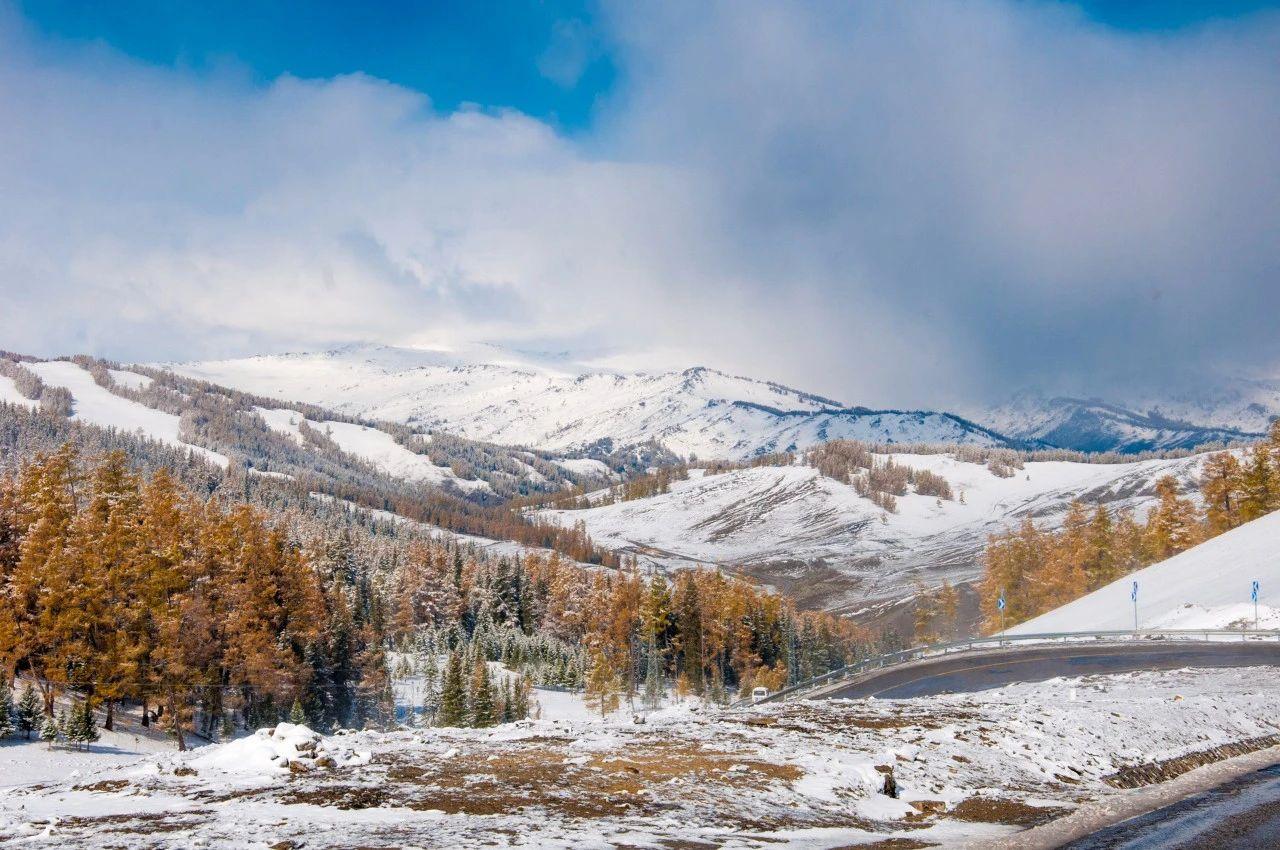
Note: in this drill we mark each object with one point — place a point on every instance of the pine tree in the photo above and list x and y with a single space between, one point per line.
49 731
8 719
453 694
82 728
29 711
483 708
296 715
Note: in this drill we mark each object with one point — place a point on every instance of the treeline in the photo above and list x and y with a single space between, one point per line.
1039 570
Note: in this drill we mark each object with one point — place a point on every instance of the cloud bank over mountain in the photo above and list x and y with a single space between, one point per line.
891 203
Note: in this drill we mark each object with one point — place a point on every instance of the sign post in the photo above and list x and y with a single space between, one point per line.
1000 605
1254 594
1133 594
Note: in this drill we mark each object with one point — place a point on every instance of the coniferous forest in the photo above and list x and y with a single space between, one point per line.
213 615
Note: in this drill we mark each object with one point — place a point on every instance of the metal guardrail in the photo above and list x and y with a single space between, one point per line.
905 656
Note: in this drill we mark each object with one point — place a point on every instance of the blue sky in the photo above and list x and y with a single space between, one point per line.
548 58
894 203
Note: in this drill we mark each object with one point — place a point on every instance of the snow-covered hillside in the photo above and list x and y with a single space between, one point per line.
1207 586
563 406
371 445
95 405
1239 410
797 529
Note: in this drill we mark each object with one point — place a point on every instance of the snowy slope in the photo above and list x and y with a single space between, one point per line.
369 444
98 406
788 525
1204 587
9 394
561 406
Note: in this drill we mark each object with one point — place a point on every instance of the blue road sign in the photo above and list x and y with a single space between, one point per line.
1133 594
1255 591
1000 602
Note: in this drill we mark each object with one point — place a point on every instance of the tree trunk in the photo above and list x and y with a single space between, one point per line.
146 715
176 722
109 724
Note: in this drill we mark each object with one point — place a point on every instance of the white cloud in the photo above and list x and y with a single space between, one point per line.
890 203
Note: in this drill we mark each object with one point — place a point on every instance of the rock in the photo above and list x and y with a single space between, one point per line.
184 770
326 762
890 788
299 766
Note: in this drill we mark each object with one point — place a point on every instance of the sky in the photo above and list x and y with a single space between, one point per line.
895 204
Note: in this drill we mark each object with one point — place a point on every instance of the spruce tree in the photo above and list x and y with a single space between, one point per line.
84 724
484 711
8 720
49 731
29 711
453 695
297 716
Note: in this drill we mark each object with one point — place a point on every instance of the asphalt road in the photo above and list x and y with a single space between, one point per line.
1243 814
993 668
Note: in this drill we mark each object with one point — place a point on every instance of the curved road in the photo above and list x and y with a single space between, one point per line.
982 670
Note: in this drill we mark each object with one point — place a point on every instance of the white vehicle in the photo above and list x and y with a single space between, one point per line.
758 694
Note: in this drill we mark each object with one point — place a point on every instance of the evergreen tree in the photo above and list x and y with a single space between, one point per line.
453 694
8 719
64 726
296 715
29 711
49 731
81 726
483 708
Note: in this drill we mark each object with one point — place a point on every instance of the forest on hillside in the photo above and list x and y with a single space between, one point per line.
1037 570
125 586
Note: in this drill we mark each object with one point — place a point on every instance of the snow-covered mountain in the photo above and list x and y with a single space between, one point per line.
1205 587
820 540
557 405
1234 411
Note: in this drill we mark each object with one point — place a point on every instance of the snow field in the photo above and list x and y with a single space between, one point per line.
798 775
